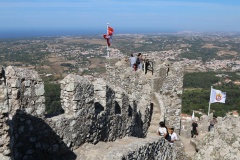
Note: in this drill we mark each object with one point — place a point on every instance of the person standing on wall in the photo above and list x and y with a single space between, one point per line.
132 60
194 131
212 123
139 61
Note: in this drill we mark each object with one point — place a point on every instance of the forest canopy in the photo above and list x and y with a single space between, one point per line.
197 87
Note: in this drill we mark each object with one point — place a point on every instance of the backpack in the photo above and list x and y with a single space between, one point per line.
138 61
168 137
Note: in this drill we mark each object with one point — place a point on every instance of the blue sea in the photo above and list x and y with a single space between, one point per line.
30 33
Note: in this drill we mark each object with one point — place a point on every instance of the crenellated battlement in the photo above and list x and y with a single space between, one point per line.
163 88
103 110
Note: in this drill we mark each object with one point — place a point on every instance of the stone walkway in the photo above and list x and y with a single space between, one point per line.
104 150
188 144
188 147
154 125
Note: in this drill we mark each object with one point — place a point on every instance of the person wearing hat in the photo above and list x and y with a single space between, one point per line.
194 131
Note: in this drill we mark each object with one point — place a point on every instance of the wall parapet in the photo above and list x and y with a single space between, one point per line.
94 111
132 148
163 88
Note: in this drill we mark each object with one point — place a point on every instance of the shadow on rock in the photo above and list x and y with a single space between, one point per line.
33 139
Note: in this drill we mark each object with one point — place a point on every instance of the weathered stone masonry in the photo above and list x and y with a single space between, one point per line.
163 89
33 135
99 111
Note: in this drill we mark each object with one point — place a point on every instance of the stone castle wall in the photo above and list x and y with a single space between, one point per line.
168 85
151 148
164 88
96 113
103 110
88 117
148 148
21 89
4 136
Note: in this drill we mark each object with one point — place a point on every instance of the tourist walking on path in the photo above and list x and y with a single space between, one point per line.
194 131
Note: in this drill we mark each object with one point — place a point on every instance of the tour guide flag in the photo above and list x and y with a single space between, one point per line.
108 36
217 96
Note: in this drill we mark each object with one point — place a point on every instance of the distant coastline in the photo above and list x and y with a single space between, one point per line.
40 33
32 33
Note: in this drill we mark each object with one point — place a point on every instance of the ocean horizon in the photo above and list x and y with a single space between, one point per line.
31 33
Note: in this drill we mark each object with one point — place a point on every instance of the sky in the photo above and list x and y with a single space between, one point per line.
125 16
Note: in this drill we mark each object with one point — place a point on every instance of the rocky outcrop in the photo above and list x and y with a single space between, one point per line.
222 142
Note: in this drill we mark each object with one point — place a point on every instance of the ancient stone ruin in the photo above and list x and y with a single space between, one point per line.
122 111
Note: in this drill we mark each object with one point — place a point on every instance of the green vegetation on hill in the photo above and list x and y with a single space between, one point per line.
52 98
200 80
196 94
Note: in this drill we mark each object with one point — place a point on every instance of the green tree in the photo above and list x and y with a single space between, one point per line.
52 98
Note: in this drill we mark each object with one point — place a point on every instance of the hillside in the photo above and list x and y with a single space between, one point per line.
197 87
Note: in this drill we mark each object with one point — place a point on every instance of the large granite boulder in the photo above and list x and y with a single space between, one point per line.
223 142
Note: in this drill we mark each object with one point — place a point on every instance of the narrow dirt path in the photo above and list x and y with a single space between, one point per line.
188 147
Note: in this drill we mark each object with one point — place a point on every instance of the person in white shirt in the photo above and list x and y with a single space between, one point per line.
173 136
132 60
162 130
